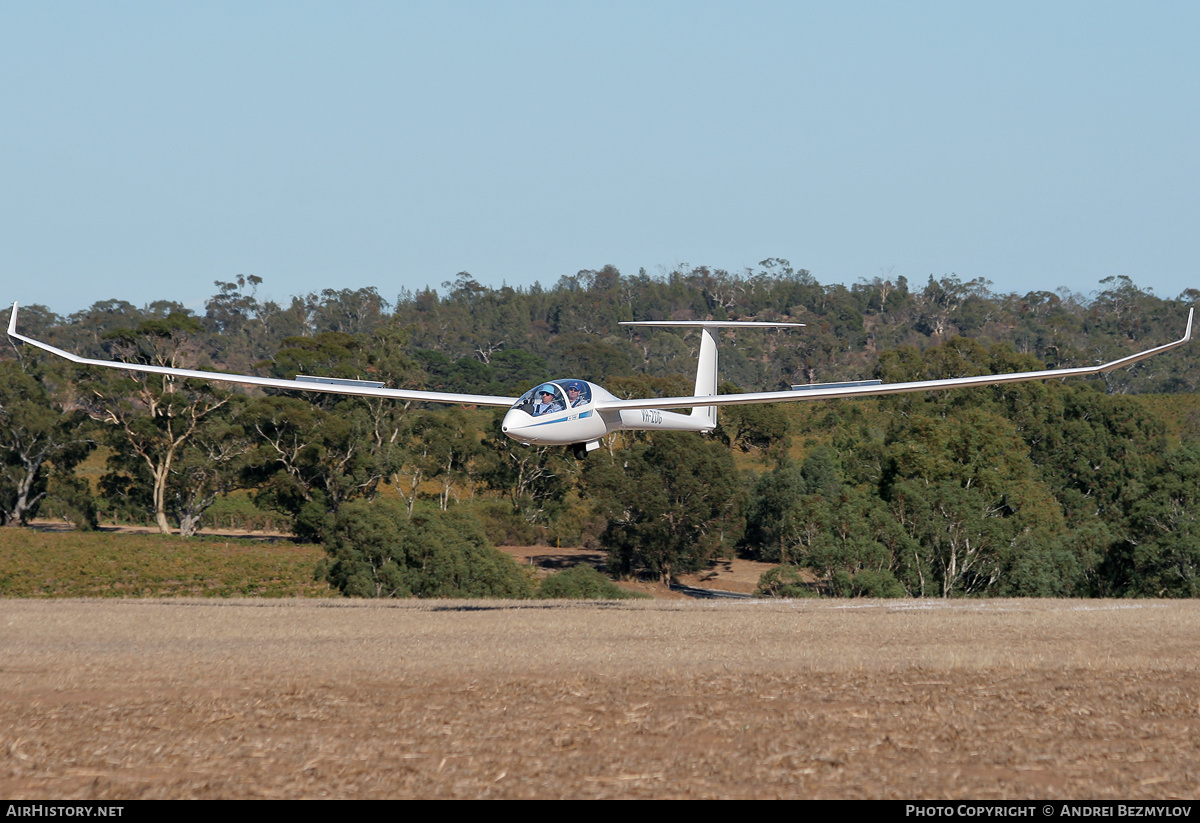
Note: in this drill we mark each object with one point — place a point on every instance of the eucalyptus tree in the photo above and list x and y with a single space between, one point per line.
1162 554
242 330
535 479
212 465
152 418
37 437
315 454
672 504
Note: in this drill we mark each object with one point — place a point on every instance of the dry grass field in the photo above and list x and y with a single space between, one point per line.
821 699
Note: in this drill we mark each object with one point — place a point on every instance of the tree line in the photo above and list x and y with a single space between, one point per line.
1077 488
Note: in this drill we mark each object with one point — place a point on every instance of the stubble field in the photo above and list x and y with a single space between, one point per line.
830 699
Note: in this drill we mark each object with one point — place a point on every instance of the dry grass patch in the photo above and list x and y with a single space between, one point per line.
103 564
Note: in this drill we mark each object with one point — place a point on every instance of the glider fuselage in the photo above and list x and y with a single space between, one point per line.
563 412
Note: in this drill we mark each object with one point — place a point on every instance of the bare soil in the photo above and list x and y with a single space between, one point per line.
727 575
455 699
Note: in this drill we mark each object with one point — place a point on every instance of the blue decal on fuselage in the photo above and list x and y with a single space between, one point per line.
562 419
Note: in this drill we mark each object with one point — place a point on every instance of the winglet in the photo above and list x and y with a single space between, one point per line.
1187 333
12 320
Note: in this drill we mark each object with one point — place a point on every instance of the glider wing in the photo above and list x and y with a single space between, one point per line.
360 388
840 391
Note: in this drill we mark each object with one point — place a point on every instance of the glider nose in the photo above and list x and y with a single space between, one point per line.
514 423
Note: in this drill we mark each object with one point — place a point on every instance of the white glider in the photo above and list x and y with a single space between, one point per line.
578 413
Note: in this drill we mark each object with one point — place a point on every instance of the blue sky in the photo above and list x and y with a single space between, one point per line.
148 149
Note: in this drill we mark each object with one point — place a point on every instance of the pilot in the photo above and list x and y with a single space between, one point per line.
575 394
549 403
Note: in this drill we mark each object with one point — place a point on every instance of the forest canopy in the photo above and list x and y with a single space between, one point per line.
1068 488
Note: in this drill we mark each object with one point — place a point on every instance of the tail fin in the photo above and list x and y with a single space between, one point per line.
706 377
706 368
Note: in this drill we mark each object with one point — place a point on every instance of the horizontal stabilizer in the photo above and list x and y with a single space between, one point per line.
712 324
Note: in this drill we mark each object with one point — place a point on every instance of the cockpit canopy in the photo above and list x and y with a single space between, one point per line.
557 395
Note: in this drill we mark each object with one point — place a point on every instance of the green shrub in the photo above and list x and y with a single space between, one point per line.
583 583
71 499
376 551
865 583
503 525
239 511
784 581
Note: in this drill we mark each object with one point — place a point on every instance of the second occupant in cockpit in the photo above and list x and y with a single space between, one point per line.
577 395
